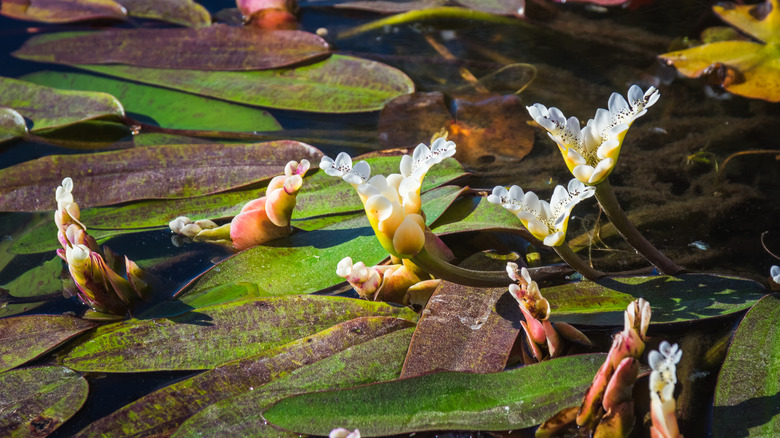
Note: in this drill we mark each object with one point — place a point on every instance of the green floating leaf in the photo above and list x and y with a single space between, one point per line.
36 401
508 400
168 108
160 412
217 47
26 337
475 213
62 11
50 108
214 335
39 282
43 238
747 397
183 12
12 124
685 297
376 360
300 264
170 171
339 84
460 330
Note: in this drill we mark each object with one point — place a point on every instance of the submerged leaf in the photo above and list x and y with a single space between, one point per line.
160 412
50 108
167 108
169 171
749 383
217 47
62 11
24 338
36 401
514 399
214 335
339 84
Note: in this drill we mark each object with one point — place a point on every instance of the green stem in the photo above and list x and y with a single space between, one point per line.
609 203
564 251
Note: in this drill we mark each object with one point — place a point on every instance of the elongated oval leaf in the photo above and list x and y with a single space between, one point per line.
161 411
444 401
12 124
217 47
167 108
169 171
41 282
62 11
306 261
36 401
183 12
214 335
50 108
472 213
461 330
26 337
376 360
749 382
339 84
685 297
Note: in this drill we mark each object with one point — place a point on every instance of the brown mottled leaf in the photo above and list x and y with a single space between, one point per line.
463 329
62 11
24 338
169 171
183 12
162 411
217 47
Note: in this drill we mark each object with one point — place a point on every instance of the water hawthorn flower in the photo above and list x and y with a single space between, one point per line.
662 380
396 283
260 220
392 203
592 152
546 221
94 270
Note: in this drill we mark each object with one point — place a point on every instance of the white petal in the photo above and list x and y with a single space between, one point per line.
583 172
511 270
441 149
774 271
526 275
499 195
344 267
603 168
67 184
618 104
554 239
575 157
379 207
406 165
608 147
536 227
635 93
362 170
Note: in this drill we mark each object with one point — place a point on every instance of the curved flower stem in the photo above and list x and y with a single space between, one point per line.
564 251
609 203
468 277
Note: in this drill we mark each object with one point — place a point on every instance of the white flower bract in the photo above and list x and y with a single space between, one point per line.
664 365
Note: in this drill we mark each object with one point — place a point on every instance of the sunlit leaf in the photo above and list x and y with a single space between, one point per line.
49 107
339 84
504 7
41 282
749 383
183 12
217 47
163 410
12 124
508 400
166 108
306 261
36 401
62 11
746 68
686 297
389 7
170 171
376 360
473 213
461 330
213 335
24 338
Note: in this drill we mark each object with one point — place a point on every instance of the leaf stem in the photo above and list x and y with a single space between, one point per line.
564 252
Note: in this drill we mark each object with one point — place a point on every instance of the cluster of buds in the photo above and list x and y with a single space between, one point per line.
344 433
94 270
397 283
392 203
545 340
663 378
260 221
608 407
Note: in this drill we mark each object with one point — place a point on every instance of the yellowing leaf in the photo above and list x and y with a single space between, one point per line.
759 21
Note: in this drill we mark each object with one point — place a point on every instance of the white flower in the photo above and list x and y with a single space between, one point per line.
546 221
664 374
342 167
774 272
344 433
591 152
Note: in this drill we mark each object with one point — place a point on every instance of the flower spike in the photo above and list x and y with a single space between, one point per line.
663 378
591 152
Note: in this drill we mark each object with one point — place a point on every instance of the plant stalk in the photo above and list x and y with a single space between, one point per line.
564 252
609 203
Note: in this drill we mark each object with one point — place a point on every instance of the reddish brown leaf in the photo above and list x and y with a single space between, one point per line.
183 12
463 329
62 11
24 338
